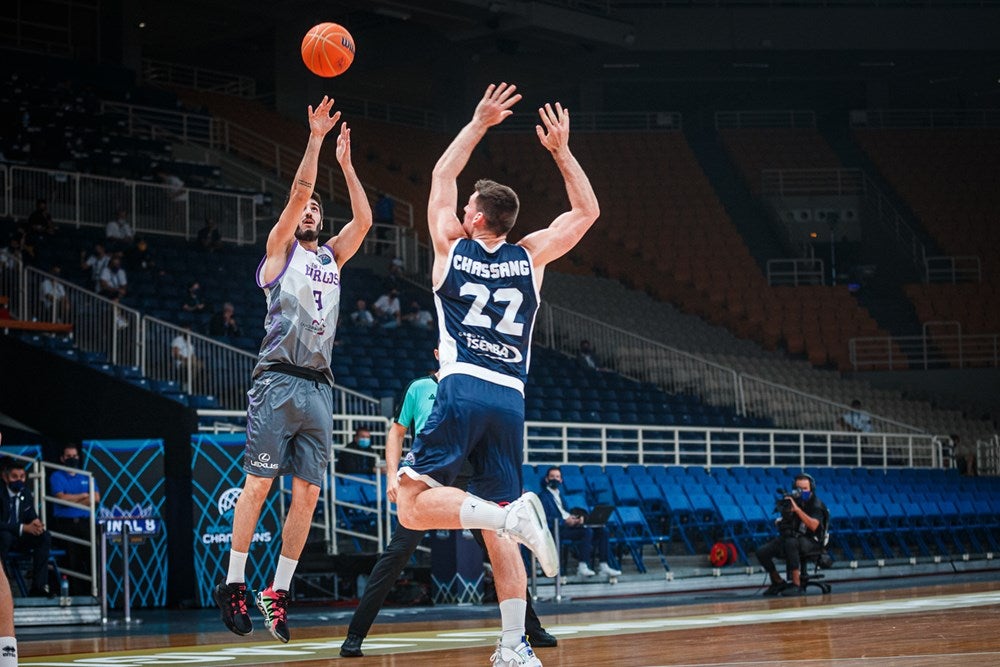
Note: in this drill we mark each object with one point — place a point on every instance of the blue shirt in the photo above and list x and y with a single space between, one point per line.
486 303
63 482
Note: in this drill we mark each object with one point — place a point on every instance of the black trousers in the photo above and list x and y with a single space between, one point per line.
39 546
792 548
77 555
385 573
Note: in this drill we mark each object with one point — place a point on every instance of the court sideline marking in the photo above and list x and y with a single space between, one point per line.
412 642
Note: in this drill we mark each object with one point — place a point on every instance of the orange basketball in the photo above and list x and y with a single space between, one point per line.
328 49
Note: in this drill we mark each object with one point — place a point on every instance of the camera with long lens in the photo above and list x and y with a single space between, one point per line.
783 504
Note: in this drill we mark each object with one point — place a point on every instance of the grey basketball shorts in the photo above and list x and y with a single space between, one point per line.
289 427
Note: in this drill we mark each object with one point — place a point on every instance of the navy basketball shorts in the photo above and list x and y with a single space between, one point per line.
476 420
289 427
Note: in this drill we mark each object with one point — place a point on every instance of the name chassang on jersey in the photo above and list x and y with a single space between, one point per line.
318 275
497 351
514 267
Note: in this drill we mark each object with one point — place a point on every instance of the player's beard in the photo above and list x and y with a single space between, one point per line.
307 235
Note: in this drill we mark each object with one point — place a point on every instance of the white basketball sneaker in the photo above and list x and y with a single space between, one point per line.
526 525
513 657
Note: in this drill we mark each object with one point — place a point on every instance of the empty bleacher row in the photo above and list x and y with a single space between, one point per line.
892 515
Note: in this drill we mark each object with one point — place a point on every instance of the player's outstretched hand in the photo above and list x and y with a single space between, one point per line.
496 103
320 120
555 135
344 146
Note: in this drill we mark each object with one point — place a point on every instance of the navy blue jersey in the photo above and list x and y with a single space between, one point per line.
486 305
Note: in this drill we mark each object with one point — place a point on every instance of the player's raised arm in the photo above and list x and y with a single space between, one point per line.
283 232
347 242
551 243
445 226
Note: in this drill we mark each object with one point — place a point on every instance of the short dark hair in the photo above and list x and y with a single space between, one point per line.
9 463
551 468
498 203
807 476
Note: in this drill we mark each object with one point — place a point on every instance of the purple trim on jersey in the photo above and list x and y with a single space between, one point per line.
288 260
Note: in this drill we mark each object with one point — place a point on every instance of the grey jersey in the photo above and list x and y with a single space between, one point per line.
303 303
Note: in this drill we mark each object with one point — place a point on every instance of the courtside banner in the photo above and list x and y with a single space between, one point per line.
129 474
217 479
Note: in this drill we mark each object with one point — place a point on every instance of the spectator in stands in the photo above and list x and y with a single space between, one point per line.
387 310
193 302
802 526
177 197
12 254
351 463
114 282
395 272
20 528
419 317
362 317
75 521
209 238
586 356
586 539
856 419
118 233
55 303
384 214
965 456
95 263
223 323
186 361
384 209
40 223
139 256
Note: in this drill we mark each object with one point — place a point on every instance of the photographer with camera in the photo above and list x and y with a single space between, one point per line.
802 524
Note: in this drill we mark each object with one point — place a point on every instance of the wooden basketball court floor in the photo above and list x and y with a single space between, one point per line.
945 621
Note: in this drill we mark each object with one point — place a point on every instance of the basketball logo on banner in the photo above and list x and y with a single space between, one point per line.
217 480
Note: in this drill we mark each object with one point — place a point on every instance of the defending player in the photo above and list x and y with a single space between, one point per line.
487 293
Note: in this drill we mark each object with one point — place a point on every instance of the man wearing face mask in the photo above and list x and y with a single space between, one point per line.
587 539
802 523
75 520
20 527
350 463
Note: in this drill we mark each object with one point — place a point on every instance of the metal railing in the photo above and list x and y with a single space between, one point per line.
38 475
678 372
791 408
639 358
799 271
784 118
802 182
590 121
925 352
90 201
988 457
100 325
924 118
200 365
887 215
278 161
11 276
953 269
199 78
625 444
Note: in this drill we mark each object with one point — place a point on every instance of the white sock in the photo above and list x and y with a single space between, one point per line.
237 567
8 652
512 621
482 514
283 575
